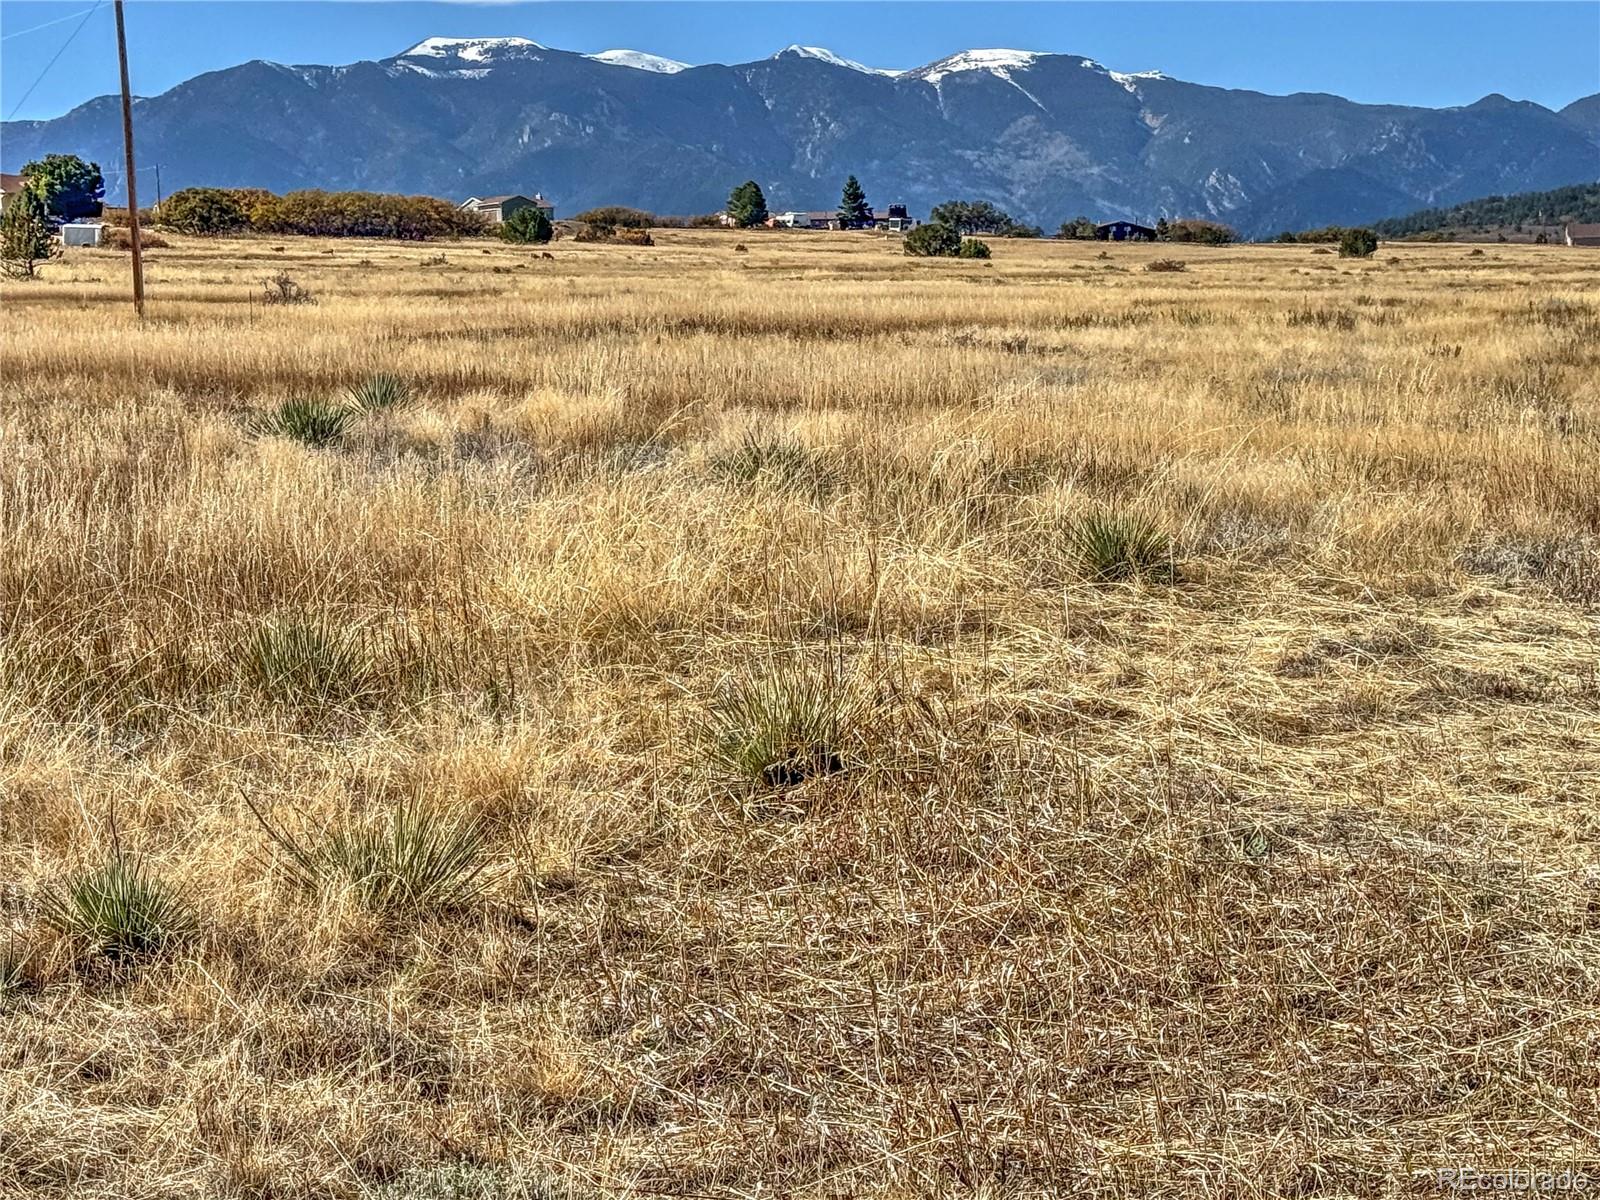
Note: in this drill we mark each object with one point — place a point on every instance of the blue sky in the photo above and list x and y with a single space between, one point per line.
1436 53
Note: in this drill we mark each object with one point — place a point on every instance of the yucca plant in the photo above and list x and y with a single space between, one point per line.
302 660
379 392
418 859
312 422
782 728
1112 546
118 910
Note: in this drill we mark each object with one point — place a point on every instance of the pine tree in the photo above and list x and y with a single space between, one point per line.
854 211
25 236
747 206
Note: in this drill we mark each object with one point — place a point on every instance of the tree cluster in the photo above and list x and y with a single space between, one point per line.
66 186
980 216
1192 229
618 216
1578 203
315 213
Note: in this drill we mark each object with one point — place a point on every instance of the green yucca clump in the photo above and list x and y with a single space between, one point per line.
418 860
120 910
1121 546
783 728
301 660
316 423
381 391
786 464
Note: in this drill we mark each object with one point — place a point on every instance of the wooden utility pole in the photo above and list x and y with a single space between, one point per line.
127 147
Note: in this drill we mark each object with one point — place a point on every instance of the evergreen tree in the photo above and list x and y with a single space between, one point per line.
1163 230
25 236
747 206
854 212
528 226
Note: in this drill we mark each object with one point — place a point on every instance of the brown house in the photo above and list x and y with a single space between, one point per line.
1583 235
498 208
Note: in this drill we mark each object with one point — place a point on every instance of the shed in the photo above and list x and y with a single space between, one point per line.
82 233
499 208
1582 235
1124 231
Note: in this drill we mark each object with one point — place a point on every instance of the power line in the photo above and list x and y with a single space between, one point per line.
77 30
15 33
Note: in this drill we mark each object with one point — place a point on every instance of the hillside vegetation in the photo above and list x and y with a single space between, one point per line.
1580 202
773 716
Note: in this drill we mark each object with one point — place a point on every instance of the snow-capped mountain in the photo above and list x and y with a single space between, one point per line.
640 61
1046 136
832 59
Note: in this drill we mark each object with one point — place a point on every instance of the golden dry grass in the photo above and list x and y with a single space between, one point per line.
1280 878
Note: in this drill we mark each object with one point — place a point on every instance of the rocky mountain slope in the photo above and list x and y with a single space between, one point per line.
1046 136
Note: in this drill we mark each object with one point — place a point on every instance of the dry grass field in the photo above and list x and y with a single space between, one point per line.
799 721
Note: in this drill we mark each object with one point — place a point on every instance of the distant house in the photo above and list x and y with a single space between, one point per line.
10 185
895 219
815 219
1124 231
1582 235
499 208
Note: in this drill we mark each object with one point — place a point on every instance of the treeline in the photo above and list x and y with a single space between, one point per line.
1580 202
1182 229
316 213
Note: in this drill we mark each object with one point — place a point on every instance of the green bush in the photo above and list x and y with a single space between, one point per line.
418 859
1112 546
527 226
933 240
973 248
780 729
118 910
1358 243
380 392
301 660
202 211
311 422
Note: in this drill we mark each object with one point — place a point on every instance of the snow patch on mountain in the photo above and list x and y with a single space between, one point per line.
828 56
998 62
1131 79
640 61
471 49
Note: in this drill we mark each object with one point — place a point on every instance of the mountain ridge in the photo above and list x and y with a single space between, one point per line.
1046 135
